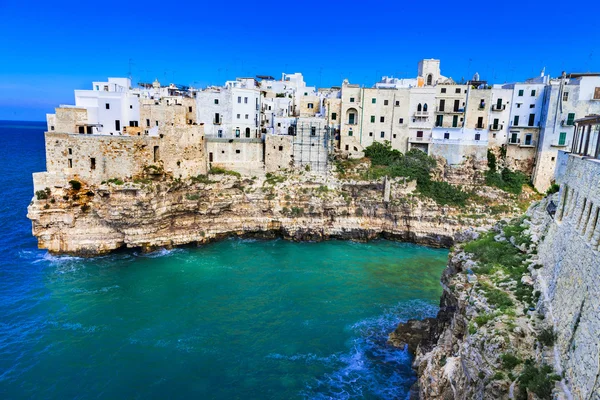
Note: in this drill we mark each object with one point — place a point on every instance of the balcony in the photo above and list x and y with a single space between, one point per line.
495 107
421 139
352 123
566 122
531 143
497 127
558 144
217 121
444 111
421 114
537 126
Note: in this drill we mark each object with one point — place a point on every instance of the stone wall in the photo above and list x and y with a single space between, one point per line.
245 156
570 277
279 151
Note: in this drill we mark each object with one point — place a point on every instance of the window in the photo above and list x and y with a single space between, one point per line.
237 132
442 105
280 148
516 121
349 134
156 154
106 88
519 105
351 99
92 163
247 132
81 129
245 100
457 90
220 133
217 118
496 123
425 107
401 121
429 79
130 106
571 119
313 131
216 101
351 118
97 87
521 92
238 116
370 133
596 93
480 122
190 109
156 123
514 137
70 162
348 147
455 121
373 100
531 121
239 99
133 123
419 134
419 107
381 119
246 116
439 120
385 102
565 96
532 106
443 90
456 105
107 106
52 128
333 116
382 134
147 122
117 125
562 138
533 92
238 151
372 118
477 136
310 105
446 135
528 141
397 103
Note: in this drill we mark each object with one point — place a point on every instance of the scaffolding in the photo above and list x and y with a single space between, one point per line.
312 145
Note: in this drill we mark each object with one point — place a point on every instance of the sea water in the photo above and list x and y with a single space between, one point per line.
237 319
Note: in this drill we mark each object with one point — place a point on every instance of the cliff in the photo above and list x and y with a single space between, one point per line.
159 211
491 338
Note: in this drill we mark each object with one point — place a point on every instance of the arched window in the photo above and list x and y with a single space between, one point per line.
247 132
429 80
419 107
425 107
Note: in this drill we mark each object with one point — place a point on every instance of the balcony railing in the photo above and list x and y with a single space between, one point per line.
420 139
496 107
217 121
566 122
497 127
452 111
531 143
421 114
558 144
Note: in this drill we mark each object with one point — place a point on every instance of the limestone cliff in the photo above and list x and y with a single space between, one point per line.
162 211
491 338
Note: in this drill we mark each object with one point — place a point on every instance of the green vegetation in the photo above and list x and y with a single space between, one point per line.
85 207
42 194
554 188
273 179
547 337
359 212
507 180
539 381
483 319
223 171
192 196
201 179
509 361
144 181
322 189
297 211
115 181
414 165
76 185
153 170
497 297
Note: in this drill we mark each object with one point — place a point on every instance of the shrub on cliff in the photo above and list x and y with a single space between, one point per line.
554 188
507 180
416 165
42 194
539 381
547 337
76 185
223 171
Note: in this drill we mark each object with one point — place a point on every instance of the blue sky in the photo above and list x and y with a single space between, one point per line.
50 48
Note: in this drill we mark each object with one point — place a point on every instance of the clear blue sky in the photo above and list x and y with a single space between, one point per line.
50 48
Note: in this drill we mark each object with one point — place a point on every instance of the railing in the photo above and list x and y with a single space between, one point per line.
421 114
217 121
352 123
496 127
557 144
420 139
532 143
566 122
453 111
495 107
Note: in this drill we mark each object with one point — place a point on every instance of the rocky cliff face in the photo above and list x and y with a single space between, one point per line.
490 339
167 212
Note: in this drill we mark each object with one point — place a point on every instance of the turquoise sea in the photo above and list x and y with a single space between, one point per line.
238 319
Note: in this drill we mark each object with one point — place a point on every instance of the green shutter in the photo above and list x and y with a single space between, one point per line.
571 119
520 92
373 100
562 138
372 118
